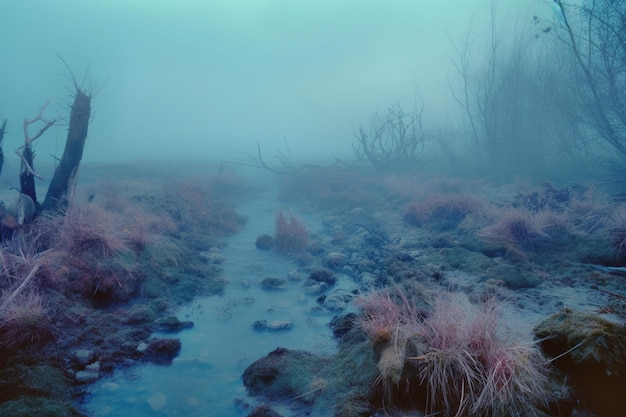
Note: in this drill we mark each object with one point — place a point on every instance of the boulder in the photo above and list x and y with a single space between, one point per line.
162 350
324 275
273 283
263 410
591 351
283 373
264 242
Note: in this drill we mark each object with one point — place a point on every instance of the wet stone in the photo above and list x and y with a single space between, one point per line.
157 401
172 324
86 377
272 283
264 242
314 287
324 275
83 357
273 325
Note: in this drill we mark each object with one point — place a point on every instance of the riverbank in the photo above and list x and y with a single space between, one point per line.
528 250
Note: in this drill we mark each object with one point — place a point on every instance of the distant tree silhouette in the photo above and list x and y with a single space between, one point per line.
594 34
395 141
3 128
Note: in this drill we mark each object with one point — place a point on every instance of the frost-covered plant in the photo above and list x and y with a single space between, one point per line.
291 235
24 323
467 363
389 319
514 227
471 369
448 210
382 312
616 230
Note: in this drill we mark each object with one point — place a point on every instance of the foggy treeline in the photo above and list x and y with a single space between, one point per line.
541 99
540 96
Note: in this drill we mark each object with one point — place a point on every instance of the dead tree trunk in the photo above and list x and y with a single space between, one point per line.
3 129
27 205
65 174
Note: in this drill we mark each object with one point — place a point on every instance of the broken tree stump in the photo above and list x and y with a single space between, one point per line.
65 173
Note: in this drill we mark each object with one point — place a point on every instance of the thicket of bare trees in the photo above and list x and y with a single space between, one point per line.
501 98
594 36
536 100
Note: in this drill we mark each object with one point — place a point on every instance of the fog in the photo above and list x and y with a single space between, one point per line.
202 78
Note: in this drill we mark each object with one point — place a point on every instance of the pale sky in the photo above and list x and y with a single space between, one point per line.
202 78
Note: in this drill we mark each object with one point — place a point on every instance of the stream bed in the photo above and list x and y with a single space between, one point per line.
205 379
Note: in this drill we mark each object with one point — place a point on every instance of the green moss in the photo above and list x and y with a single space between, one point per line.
36 380
26 406
286 373
35 390
589 338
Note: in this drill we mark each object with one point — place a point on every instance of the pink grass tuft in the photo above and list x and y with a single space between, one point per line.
468 366
514 227
89 228
440 208
382 312
472 370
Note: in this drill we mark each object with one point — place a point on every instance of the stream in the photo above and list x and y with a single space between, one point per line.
205 379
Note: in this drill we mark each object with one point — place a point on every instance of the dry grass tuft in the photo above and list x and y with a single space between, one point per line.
517 228
468 364
472 370
25 323
291 235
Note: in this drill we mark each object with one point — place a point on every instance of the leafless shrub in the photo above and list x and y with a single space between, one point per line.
395 141
291 235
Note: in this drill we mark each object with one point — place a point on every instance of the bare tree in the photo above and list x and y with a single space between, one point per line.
394 141
65 173
594 33
3 129
27 206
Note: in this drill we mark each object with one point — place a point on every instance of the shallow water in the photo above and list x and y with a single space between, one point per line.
206 377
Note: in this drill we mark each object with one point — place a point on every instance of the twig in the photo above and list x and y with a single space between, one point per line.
621 297
23 285
28 140
374 235
39 117
566 352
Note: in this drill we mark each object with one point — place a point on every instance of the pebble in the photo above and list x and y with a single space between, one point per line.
312 287
157 401
335 302
94 367
85 377
273 325
83 356
110 386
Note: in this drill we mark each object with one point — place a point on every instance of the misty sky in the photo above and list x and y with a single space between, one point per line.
199 78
